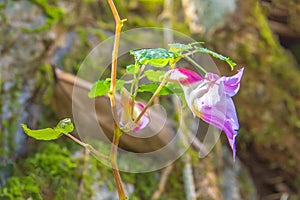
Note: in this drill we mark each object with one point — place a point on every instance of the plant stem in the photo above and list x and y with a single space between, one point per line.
117 131
160 87
84 172
119 25
195 63
113 158
88 147
134 88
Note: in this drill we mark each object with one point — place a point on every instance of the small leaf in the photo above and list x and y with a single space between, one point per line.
120 84
178 48
216 55
132 69
102 87
155 76
99 88
156 57
152 87
177 90
64 126
42 134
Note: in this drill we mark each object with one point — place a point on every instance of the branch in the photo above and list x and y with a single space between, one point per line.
88 147
162 182
84 172
117 131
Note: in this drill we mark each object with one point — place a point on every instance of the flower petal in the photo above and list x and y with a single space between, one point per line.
223 120
144 121
210 99
232 84
184 76
125 112
210 102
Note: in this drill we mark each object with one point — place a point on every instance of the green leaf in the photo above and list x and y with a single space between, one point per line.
132 69
177 90
178 48
120 84
65 126
99 88
152 87
42 134
155 76
216 55
169 88
156 57
102 87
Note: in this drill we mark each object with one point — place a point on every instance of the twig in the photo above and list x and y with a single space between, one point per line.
117 131
84 172
89 147
113 158
162 182
130 126
119 25
195 64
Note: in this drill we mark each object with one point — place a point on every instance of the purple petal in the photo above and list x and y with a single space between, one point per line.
211 77
144 121
232 84
210 99
125 112
226 121
216 108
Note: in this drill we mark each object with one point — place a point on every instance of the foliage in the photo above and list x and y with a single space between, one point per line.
65 126
52 172
216 55
102 87
154 76
155 57
152 87
19 188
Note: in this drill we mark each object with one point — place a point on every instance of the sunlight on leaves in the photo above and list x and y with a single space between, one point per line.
156 57
102 87
155 76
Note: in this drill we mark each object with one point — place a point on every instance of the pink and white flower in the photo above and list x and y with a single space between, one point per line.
127 114
209 98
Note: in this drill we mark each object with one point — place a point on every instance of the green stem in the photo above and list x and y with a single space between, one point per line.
136 121
113 158
88 147
195 63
